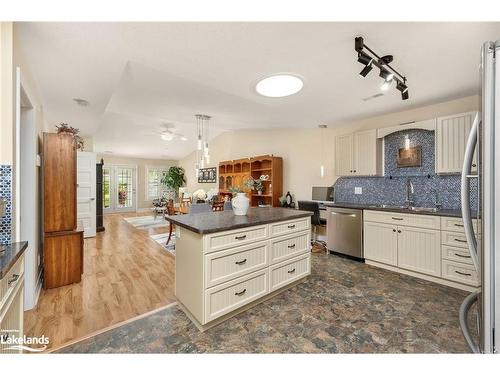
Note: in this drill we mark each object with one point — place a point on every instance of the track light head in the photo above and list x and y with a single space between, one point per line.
404 95
367 69
401 87
364 59
385 74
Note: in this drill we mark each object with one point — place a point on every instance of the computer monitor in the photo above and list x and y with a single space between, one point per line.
322 193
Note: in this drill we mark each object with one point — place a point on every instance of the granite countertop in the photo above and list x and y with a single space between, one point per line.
212 222
374 207
11 254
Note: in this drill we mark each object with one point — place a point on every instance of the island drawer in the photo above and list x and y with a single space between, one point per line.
229 296
11 279
286 247
225 265
288 271
284 227
455 224
459 272
456 254
237 237
454 239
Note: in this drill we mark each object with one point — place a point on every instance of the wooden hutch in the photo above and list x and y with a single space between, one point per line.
237 172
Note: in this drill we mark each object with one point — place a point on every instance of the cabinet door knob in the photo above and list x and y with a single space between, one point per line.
354 171
13 279
399 231
394 230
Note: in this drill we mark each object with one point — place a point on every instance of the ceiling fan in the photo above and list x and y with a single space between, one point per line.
167 134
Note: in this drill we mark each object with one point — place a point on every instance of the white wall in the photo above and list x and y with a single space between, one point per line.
142 165
301 148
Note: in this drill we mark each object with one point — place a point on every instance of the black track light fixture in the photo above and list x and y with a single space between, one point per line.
367 57
385 74
367 69
364 59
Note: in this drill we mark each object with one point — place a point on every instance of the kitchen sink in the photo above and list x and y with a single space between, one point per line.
423 209
388 206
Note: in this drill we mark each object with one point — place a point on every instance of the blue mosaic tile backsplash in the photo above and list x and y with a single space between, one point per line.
6 195
391 189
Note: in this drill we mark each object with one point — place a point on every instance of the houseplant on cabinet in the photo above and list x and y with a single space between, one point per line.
173 179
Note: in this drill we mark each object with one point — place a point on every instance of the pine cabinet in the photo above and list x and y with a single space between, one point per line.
419 250
381 242
452 133
358 154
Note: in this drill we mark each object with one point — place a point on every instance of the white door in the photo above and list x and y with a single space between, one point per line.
419 250
365 153
85 192
344 155
381 243
119 188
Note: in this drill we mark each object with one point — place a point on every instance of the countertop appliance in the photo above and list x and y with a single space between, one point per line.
344 230
484 143
322 194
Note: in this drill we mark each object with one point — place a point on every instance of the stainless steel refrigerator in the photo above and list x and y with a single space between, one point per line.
480 312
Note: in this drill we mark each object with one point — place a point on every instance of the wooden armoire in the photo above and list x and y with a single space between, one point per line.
62 240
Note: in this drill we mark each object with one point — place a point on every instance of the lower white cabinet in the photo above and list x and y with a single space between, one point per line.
419 250
381 242
426 246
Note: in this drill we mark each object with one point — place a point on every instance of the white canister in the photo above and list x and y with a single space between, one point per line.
240 204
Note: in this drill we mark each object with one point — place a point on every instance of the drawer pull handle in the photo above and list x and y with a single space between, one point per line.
459 240
239 263
240 293
397 218
291 271
459 225
462 256
291 246
240 237
463 273
13 279
291 226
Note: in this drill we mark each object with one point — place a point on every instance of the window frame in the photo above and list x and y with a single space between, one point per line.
160 170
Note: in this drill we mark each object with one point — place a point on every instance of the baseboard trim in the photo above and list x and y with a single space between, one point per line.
98 332
434 279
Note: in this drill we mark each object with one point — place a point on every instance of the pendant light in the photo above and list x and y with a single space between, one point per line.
322 134
202 149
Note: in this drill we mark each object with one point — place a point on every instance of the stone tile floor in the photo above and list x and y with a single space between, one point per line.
344 307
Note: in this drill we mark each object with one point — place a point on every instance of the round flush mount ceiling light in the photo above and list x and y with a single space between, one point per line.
279 85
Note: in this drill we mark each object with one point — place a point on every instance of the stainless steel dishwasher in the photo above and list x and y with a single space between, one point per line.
344 229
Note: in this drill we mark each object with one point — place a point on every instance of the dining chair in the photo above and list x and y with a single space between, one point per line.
170 211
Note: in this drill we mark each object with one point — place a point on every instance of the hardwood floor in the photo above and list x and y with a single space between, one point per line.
126 274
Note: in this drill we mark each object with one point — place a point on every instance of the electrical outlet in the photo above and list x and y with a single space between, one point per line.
358 190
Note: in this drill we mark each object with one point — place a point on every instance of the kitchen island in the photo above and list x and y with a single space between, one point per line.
226 264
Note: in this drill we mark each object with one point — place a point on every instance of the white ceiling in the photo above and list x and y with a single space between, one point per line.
137 76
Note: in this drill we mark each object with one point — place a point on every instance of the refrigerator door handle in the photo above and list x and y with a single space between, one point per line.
463 315
465 192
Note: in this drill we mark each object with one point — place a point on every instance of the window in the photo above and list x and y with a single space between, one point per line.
154 188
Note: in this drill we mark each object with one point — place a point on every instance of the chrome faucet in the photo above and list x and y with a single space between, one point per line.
410 190
436 199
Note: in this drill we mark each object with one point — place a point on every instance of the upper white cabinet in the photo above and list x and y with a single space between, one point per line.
344 163
451 138
358 154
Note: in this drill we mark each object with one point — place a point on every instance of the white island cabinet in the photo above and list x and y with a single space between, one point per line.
221 271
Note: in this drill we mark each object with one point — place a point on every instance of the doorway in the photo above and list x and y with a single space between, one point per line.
119 188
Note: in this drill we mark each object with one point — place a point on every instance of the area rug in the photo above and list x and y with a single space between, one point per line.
162 240
146 222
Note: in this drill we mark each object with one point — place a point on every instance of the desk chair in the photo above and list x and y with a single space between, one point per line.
316 221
